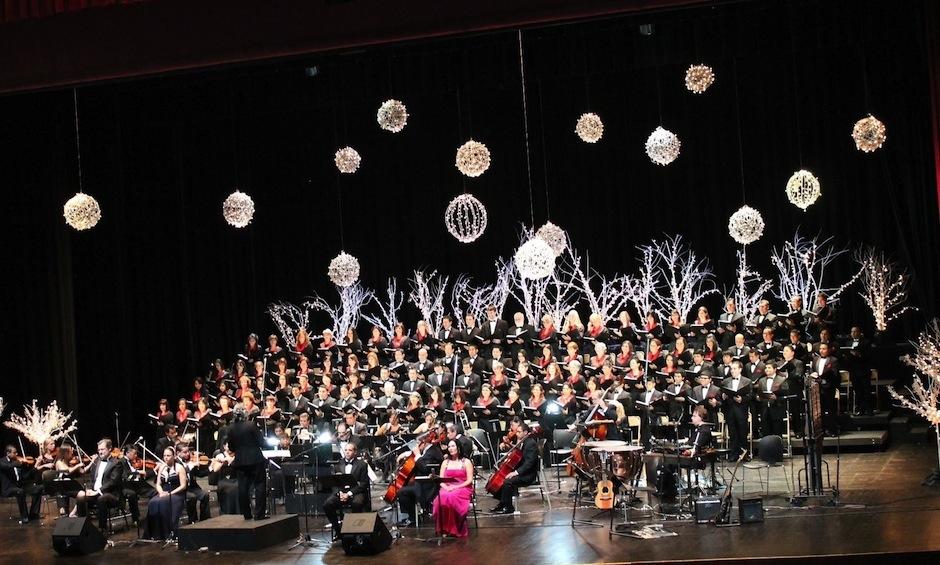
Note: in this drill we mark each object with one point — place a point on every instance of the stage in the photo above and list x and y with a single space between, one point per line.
884 516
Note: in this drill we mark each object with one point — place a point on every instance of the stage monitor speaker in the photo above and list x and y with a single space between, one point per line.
364 533
76 536
751 510
706 508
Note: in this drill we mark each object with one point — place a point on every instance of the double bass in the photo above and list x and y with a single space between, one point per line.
406 470
509 463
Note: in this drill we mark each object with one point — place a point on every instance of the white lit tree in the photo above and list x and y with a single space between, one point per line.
346 313
427 294
289 318
683 278
749 288
604 296
921 396
555 294
37 424
801 269
387 315
884 286
641 289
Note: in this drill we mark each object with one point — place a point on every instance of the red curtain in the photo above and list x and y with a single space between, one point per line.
15 10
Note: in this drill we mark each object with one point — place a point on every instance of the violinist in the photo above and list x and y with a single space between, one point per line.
194 493
428 458
13 474
223 474
46 460
602 410
512 435
67 464
430 421
136 485
107 480
524 474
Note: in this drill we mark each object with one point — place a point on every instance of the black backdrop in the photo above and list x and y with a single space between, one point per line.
116 317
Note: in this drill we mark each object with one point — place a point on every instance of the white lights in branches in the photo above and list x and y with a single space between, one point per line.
869 134
465 218
347 160
82 211
554 236
746 225
803 189
238 209
343 270
589 128
392 116
662 146
535 259
473 158
698 78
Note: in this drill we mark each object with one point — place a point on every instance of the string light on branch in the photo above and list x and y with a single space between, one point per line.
343 270
238 209
662 146
803 189
82 211
535 259
554 236
392 116
347 160
465 218
473 158
589 128
698 78
746 225
869 134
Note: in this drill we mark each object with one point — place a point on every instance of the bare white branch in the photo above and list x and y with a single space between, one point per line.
801 268
884 286
387 316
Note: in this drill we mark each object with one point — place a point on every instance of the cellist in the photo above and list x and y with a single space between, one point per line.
524 474
428 458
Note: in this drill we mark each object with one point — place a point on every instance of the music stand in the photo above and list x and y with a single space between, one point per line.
430 480
305 539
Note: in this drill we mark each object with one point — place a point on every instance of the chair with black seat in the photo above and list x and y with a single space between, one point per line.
562 439
480 437
770 455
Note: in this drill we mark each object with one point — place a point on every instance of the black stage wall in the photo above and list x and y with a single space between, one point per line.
116 317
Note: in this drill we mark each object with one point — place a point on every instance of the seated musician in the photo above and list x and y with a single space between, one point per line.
512 435
524 474
107 484
355 498
222 474
13 478
702 438
453 499
64 465
194 493
430 420
136 483
165 509
603 411
428 458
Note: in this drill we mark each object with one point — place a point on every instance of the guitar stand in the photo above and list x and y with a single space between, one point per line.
575 522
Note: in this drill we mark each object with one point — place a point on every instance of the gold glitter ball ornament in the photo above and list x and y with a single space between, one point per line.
698 78
589 128
869 134
803 189
473 158
347 160
392 116
82 211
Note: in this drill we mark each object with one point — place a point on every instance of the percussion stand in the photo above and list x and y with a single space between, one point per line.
575 522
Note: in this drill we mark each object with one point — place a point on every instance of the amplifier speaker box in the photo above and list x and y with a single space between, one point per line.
76 536
751 510
364 533
706 508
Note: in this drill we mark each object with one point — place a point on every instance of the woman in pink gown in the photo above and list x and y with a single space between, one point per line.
453 500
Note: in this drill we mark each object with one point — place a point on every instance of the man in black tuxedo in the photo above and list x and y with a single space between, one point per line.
493 330
825 370
469 380
246 441
12 476
773 409
440 378
107 484
736 392
795 371
355 497
856 360
707 395
525 473
524 332
297 402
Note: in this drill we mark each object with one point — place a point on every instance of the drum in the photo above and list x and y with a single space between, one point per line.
595 459
627 463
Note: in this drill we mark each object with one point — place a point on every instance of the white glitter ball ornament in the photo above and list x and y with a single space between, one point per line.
698 78
662 146
82 211
554 236
238 209
803 189
473 158
746 225
347 160
535 259
869 134
465 218
343 270
392 116
589 128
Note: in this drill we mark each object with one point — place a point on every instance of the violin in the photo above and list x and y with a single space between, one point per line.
29 460
509 440
142 464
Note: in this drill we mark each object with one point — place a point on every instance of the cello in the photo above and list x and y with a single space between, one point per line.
509 463
595 428
406 469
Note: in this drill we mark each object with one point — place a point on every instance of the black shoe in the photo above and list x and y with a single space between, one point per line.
506 510
23 521
34 516
247 517
497 509
406 523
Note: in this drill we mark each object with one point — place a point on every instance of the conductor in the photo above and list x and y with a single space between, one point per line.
245 440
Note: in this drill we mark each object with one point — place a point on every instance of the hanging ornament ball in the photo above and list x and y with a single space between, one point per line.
589 128
465 218
698 78
554 236
803 189
392 116
746 225
82 211
869 134
343 270
473 158
347 160
535 259
238 209
662 146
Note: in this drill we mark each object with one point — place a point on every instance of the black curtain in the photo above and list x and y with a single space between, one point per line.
112 319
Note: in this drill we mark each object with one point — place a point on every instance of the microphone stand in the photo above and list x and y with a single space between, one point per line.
305 539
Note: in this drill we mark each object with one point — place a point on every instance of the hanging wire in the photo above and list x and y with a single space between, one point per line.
737 112
460 138
587 74
525 117
232 132
78 141
548 214
796 88
339 187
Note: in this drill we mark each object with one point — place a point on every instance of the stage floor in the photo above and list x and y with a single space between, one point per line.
885 516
